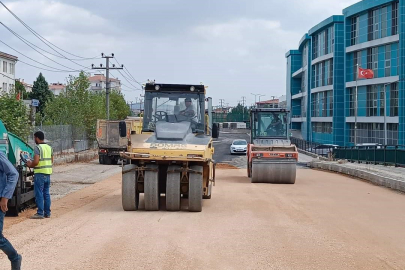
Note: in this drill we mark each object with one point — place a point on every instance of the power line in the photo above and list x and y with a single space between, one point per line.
128 73
20 61
44 40
60 70
30 44
41 54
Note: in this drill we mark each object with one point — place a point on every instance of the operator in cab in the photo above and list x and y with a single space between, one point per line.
189 111
275 126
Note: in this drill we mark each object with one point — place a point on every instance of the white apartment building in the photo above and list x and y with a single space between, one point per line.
98 83
57 88
7 71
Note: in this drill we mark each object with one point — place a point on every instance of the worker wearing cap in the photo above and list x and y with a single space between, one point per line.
8 181
189 111
42 164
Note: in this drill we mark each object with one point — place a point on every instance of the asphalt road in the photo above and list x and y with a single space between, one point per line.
222 144
324 221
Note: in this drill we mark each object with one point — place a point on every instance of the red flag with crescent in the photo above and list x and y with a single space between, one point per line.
365 73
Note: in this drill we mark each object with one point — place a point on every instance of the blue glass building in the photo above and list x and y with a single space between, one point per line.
321 77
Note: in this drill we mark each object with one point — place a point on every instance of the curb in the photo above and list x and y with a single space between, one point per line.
77 157
361 174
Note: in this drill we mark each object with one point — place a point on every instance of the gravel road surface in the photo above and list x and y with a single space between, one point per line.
324 221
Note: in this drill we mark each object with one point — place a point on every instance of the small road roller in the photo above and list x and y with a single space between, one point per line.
271 157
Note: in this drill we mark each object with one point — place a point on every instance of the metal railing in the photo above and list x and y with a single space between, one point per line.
312 147
383 155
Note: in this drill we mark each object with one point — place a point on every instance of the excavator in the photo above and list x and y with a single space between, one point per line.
271 158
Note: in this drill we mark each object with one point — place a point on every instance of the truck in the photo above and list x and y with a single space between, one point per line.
173 155
16 150
110 144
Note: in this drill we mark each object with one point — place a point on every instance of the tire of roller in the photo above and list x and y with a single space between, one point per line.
130 195
151 188
195 191
173 194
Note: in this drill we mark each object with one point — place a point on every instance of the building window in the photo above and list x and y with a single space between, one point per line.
351 99
368 133
384 22
354 30
326 34
303 82
332 35
5 87
394 20
382 101
330 79
315 47
4 66
325 128
392 134
356 62
370 32
305 56
376 20
330 102
394 99
371 109
387 60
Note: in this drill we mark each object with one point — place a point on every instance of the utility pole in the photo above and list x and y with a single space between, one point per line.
243 104
222 107
107 69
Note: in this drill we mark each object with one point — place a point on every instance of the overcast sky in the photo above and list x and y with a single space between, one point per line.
236 47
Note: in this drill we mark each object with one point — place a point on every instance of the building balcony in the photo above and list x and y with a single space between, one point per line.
373 43
373 119
322 119
96 88
298 119
299 95
322 58
383 80
298 73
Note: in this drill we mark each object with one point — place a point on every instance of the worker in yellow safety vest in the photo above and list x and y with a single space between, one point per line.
42 164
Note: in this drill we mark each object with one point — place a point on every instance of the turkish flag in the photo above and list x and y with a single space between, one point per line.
18 96
365 73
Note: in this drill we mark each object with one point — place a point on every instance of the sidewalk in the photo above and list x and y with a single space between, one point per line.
391 177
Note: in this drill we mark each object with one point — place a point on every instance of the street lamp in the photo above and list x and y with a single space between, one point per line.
260 95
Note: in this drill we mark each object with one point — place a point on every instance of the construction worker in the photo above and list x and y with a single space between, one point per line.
8 181
42 164
189 111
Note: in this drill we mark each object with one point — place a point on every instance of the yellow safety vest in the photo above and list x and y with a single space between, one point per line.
45 159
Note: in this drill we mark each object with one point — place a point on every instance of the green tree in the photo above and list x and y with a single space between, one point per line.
238 114
119 109
41 91
14 114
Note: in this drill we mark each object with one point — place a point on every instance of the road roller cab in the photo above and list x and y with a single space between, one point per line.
173 154
271 156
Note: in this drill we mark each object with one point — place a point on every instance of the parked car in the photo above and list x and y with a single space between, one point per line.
369 146
238 147
323 149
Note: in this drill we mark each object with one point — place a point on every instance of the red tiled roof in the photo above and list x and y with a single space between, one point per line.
57 86
101 78
8 56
